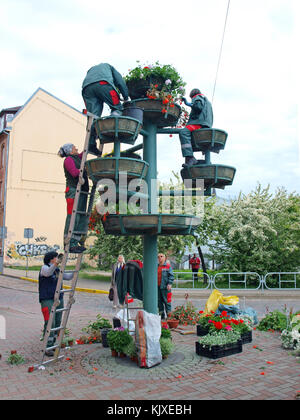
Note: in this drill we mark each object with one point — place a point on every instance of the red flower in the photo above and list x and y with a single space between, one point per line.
224 313
218 325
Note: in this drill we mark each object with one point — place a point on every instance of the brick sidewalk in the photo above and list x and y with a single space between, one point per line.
91 373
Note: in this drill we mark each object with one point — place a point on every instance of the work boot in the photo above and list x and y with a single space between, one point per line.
190 161
77 249
94 151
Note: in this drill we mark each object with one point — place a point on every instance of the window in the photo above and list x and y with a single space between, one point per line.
2 156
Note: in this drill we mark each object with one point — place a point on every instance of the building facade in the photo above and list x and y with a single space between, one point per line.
32 178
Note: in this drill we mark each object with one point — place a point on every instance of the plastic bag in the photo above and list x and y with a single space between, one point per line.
216 298
122 315
148 332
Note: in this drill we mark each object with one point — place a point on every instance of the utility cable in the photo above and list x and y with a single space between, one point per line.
219 59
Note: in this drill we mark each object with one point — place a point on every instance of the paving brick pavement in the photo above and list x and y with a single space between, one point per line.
91 373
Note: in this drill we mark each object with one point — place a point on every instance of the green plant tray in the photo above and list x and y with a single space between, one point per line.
153 112
217 176
123 129
217 352
111 167
151 224
208 139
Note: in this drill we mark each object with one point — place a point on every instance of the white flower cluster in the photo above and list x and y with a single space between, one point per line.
290 338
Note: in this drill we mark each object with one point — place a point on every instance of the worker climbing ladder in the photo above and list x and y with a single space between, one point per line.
59 331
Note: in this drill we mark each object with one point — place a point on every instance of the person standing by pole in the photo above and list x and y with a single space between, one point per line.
115 270
165 278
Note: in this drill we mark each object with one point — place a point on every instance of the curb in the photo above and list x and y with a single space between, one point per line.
77 289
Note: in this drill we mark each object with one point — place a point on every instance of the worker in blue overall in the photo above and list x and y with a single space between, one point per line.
100 86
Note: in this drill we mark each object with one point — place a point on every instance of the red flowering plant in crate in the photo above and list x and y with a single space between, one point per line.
223 322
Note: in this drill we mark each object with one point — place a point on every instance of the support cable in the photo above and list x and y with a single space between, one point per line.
219 59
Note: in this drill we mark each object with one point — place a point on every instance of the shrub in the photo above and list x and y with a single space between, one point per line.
166 346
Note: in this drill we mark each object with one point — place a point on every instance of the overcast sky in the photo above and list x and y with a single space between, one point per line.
52 43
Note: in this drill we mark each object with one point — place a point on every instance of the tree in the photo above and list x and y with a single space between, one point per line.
256 232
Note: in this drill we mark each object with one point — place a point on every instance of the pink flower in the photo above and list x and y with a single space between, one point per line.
228 328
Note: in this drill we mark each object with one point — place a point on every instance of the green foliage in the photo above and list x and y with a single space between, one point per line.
275 320
97 325
166 346
130 349
157 70
258 232
166 333
219 338
15 359
118 339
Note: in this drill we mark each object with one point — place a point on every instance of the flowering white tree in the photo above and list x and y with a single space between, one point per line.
256 232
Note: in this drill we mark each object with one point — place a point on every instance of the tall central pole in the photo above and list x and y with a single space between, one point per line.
150 241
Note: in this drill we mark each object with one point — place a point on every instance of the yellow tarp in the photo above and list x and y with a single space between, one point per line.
216 298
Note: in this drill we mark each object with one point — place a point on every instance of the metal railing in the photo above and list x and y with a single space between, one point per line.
181 277
278 279
244 278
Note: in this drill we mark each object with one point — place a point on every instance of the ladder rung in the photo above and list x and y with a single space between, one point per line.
51 360
79 232
62 310
52 347
67 290
57 329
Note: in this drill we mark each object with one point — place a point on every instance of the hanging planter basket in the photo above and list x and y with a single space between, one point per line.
153 112
208 139
123 129
152 224
216 176
138 88
111 168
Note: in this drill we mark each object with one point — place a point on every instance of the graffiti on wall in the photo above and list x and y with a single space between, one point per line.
20 250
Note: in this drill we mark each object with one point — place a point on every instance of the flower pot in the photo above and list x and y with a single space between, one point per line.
70 343
154 112
104 333
114 353
122 355
138 88
215 352
133 111
173 323
123 129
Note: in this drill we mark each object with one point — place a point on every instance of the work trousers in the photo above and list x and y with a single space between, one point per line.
185 137
94 96
164 307
81 220
46 306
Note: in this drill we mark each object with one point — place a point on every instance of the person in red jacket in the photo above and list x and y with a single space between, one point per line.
195 264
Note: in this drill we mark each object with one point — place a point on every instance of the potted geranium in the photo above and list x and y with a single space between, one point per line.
162 76
118 339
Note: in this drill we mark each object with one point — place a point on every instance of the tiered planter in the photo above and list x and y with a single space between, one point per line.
201 331
216 352
208 139
153 224
111 167
124 129
153 112
217 176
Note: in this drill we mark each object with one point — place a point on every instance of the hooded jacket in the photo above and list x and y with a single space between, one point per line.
201 112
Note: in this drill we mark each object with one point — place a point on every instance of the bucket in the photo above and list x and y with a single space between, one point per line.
134 112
